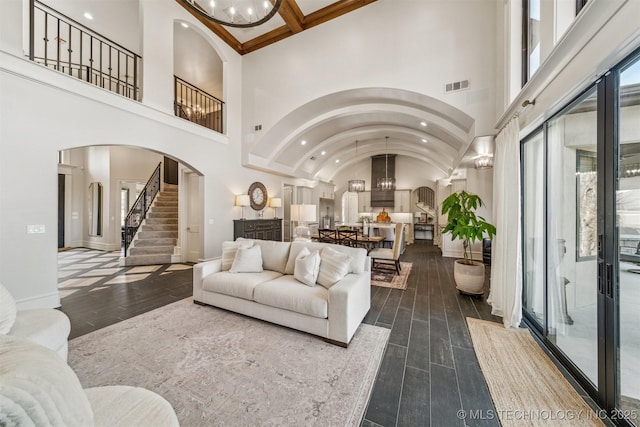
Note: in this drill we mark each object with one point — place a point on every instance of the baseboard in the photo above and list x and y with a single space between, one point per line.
99 246
50 300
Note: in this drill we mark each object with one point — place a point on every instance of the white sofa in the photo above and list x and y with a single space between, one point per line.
37 388
45 326
276 296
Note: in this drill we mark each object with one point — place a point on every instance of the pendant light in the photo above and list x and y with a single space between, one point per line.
386 183
356 185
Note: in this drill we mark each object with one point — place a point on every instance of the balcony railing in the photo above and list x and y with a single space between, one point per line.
197 106
59 42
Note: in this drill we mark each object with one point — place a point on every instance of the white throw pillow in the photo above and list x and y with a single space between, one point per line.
333 267
307 267
247 260
229 251
7 310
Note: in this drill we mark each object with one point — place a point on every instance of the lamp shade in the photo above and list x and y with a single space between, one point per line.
275 202
243 200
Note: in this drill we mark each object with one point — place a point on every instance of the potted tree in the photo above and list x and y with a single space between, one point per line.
464 224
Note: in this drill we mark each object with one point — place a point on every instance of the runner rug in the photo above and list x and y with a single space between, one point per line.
526 387
389 278
220 368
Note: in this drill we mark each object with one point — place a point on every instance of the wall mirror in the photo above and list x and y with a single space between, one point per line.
95 209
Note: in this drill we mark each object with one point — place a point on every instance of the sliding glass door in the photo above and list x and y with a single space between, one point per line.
628 226
581 239
572 202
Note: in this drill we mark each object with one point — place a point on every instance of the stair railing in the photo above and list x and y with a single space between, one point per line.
138 211
65 45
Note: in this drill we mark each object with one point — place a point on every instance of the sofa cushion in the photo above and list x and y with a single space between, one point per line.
287 293
44 326
334 265
358 255
7 310
274 254
229 250
38 388
307 267
247 260
237 285
119 405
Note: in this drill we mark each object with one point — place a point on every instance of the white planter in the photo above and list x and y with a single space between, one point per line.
469 278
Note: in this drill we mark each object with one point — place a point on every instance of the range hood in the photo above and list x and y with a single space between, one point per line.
382 198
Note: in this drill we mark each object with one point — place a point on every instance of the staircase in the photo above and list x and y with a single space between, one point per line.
157 236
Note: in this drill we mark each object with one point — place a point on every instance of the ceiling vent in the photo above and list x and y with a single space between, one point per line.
456 86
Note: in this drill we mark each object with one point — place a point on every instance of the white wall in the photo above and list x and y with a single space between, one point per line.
72 114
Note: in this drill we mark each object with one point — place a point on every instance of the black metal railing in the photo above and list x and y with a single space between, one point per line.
198 106
138 211
59 42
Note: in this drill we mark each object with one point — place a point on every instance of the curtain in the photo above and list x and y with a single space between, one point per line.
505 295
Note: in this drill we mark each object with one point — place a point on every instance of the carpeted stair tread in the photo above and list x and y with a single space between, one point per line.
152 259
160 241
157 234
148 250
159 227
162 221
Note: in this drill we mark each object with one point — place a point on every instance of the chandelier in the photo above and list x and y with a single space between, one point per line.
235 13
484 162
386 183
356 185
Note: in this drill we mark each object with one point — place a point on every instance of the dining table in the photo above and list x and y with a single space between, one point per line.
367 242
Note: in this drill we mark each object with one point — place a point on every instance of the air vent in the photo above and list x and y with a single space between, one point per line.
456 86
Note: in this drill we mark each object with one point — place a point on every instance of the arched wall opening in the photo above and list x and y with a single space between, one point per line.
121 172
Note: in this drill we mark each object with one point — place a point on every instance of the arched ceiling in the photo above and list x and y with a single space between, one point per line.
330 126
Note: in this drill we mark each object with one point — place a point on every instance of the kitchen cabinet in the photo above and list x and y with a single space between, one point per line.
402 201
364 201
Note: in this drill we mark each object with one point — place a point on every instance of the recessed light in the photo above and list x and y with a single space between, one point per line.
250 11
423 123
185 25
88 15
424 140
213 3
303 142
323 153
337 160
232 10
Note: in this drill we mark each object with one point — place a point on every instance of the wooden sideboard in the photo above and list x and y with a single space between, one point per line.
263 229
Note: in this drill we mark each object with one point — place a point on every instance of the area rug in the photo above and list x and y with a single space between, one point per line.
220 368
525 385
389 278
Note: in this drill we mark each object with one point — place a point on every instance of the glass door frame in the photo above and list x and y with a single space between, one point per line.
608 280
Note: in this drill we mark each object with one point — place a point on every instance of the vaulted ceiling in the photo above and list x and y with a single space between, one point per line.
294 16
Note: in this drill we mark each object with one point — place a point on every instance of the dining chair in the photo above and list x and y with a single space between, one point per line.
389 255
348 237
326 235
389 235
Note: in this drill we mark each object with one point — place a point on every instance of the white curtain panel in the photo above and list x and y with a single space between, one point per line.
505 295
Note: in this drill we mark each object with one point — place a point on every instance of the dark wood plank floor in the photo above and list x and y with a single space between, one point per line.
429 372
95 295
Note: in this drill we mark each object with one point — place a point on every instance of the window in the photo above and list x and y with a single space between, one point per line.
530 38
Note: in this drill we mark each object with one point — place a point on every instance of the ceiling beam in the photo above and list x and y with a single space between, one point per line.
217 29
295 22
292 15
333 11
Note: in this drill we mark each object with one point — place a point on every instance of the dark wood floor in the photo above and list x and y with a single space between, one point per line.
95 295
429 371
